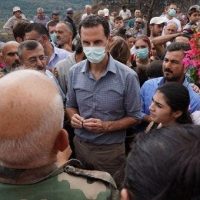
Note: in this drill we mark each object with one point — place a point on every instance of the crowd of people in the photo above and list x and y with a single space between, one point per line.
102 107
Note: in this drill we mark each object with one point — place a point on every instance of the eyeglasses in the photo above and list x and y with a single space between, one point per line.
34 60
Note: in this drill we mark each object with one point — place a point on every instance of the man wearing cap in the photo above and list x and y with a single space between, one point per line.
194 20
17 17
156 26
41 18
69 19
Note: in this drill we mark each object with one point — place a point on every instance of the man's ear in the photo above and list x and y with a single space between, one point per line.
61 142
45 39
150 27
124 194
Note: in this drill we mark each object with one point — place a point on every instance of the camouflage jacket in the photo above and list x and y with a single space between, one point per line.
67 182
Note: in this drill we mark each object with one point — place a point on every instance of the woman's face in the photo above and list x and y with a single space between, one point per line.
160 111
140 44
131 42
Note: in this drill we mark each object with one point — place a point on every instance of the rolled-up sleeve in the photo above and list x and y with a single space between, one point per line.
71 101
132 97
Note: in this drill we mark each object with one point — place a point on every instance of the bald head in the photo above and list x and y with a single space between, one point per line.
10 54
31 115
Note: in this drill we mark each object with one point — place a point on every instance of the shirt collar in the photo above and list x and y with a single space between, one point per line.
110 67
162 81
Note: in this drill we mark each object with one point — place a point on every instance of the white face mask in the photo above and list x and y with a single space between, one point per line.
172 12
94 54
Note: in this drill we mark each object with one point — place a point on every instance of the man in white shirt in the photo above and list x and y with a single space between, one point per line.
171 15
88 12
125 13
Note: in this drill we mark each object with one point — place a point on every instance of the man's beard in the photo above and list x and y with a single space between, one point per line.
170 78
15 64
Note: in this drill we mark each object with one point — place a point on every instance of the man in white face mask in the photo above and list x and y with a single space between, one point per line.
171 15
102 102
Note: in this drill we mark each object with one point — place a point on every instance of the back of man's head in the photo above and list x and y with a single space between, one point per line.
165 165
18 31
31 115
37 27
178 46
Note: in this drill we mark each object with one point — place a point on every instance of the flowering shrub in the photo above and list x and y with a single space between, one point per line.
191 60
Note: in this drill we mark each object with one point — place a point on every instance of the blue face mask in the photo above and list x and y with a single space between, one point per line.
53 37
94 54
142 53
171 12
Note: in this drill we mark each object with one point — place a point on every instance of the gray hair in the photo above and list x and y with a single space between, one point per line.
40 9
68 25
27 45
35 137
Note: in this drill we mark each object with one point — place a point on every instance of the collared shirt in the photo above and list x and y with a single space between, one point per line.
43 21
175 20
58 54
63 68
114 96
9 25
125 14
53 78
149 88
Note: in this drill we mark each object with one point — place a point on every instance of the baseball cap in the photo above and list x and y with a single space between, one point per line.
194 8
16 8
157 20
69 11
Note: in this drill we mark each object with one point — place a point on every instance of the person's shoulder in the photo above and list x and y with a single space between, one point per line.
13 18
35 18
122 67
152 83
93 184
79 66
62 52
47 17
70 60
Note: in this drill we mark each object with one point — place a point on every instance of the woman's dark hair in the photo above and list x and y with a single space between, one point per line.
165 164
145 39
154 69
178 99
119 50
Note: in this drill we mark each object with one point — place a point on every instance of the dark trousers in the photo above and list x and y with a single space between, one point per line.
104 157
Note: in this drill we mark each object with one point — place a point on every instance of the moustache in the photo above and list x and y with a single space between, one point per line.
16 64
168 70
